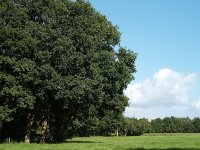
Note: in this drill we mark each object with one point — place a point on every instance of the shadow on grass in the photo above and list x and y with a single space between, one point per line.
82 142
163 149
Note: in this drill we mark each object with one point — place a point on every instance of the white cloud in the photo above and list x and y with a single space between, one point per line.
167 91
196 104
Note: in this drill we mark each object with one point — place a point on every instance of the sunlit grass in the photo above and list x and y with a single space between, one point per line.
155 141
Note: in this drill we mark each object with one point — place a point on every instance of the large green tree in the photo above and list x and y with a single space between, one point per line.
60 72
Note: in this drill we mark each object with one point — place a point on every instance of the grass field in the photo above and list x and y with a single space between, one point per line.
146 142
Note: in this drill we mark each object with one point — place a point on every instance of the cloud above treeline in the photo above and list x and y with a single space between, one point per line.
166 93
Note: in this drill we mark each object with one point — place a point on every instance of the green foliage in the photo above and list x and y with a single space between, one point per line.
157 125
136 127
132 126
196 123
58 63
175 125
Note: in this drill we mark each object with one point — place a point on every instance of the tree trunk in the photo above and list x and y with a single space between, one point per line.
29 127
1 125
117 132
43 131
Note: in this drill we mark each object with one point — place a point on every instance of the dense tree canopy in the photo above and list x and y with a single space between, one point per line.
175 125
60 72
133 126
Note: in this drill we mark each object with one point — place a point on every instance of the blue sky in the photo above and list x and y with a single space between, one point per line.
166 36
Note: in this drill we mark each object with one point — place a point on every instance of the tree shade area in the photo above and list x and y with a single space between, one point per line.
60 72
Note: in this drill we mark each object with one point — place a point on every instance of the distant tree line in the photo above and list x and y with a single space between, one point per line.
133 126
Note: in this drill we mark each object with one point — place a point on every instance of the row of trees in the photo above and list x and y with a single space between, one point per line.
124 127
134 126
62 70
176 125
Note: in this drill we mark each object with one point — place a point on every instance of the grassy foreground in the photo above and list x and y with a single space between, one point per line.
169 142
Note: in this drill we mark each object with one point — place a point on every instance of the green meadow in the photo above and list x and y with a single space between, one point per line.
145 142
